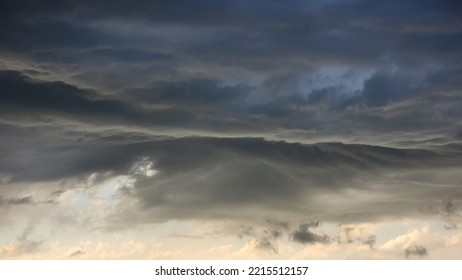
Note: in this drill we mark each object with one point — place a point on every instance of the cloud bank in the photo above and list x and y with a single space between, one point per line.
337 121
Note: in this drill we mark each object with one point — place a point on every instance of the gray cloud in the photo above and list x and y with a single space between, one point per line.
242 35
267 238
415 250
16 201
200 92
56 97
222 97
255 178
305 236
380 89
34 32
243 109
233 176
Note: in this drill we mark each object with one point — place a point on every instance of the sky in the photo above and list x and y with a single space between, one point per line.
258 129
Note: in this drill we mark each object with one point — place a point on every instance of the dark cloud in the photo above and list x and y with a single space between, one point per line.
272 232
21 97
415 250
200 92
129 55
305 236
41 33
241 108
250 173
247 175
56 98
244 31
100 56
67 162
201 12
381 89
218 98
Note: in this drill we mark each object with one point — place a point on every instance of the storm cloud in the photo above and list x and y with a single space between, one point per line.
163 112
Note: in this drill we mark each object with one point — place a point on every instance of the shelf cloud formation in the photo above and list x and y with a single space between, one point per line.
258 129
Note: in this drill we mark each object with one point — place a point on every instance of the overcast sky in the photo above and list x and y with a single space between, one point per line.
174 129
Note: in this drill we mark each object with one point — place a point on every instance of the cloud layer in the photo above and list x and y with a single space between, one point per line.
273 121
